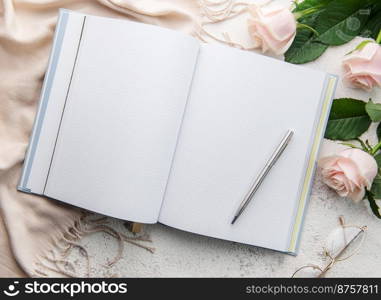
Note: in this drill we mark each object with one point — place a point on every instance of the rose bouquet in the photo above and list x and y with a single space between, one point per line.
356 173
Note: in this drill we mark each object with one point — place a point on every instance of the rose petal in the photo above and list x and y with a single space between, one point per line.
357 195
350 170
366 163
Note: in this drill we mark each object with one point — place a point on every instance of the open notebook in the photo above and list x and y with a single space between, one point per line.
146 124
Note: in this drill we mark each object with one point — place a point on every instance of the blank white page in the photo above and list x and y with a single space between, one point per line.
240 106
122 117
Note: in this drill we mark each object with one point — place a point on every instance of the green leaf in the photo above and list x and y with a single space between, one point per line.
378 131
342 20
378 160
373 26
376 187
348 119
304 49
347 107
373 205
308 8
337 22
374 111
306 4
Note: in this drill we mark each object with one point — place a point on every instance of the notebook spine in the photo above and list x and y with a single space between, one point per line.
47 85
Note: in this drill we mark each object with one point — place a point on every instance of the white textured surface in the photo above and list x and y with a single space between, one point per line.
180 254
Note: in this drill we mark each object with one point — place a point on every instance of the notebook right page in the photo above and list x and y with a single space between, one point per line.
240 106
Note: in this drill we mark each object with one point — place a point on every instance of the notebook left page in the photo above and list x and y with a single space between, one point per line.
111 108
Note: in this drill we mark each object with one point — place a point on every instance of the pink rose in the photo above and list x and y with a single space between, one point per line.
272 27
349 172
363 67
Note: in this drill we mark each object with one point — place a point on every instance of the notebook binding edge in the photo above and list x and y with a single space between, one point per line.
329 87
53 61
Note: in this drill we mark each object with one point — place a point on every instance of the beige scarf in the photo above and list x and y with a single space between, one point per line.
37 233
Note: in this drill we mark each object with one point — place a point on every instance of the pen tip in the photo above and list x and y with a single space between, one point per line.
234 219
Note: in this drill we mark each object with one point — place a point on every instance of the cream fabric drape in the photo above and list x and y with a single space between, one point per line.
33 229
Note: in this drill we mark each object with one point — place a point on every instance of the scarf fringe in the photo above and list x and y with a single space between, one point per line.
55 260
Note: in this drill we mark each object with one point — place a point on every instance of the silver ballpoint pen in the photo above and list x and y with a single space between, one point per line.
261 176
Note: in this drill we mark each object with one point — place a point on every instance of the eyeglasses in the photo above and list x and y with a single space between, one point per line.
342 243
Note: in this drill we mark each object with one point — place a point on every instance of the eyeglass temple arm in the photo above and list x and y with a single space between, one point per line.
362 230
334 259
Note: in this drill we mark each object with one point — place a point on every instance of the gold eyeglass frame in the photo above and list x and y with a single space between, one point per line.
336 258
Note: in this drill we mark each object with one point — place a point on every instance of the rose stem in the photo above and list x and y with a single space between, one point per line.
378 40
375 148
